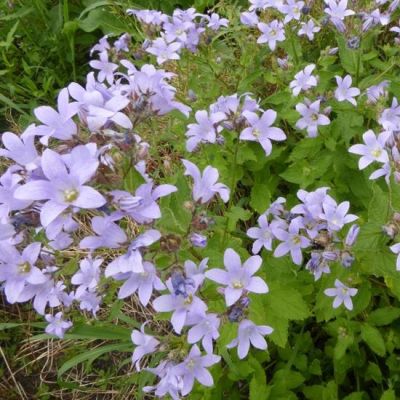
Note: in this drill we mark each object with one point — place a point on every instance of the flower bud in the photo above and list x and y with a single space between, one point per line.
347 259
390 230
198 240
353 43
170 243
188 205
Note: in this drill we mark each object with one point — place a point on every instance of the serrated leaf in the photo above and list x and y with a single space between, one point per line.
374 339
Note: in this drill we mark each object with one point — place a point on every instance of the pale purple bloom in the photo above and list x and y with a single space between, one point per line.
105 67
21 149
276 208
342 294
344 90
122 43
337 9
311 118
215 22
206 330
57 325
196 273
163 50
375 92
205 186
145 344
88 275
9 183
390 117
372 150
250 333
194 367
132 261
260 129
108 234
89 301
101 46
182 306
198 240
143 282
150 17
263 235
57 124
99 115
292 10
61 241
18 269
317 265
258 5
206 129
249 18
396 250
64 187
271 33
336 215
142 207
303 80
238 278
6 231
292 241
308 29
352 235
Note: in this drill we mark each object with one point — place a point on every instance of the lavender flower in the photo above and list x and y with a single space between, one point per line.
57 124
292 241
63 188
182 307
261 130
198 240
18 269
390 117
164 50
205 186
106 68
311 118
372 150
375 92
263 235
57 325
143 282
21 149
88 275
205 131
308 29
337 9
145 344
215 22
352 235
342 294
396 250
335 215
250 333
292 10
206 330
238 278
344 90
271 33
110 235
194 367
303 80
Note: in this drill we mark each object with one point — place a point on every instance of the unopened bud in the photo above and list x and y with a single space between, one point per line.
390 230
170 243
188 205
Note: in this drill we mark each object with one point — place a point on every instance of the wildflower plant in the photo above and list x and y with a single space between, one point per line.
201 200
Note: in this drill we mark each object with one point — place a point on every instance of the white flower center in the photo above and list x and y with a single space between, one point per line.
237 284
376 152
24 268
70 195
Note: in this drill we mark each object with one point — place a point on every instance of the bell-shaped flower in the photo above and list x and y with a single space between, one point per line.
145 344
342 295
205 185
238 278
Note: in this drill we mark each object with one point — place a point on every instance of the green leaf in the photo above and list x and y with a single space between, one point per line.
260 197
92 355
374 339
236 214
383 316
388 395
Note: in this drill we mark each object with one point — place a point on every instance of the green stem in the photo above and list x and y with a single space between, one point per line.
232 187
295 55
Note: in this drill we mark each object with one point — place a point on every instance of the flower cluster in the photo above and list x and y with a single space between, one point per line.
183 30
234 113
313 226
